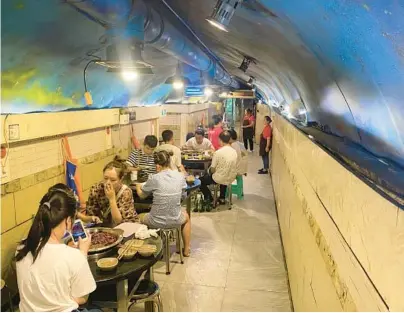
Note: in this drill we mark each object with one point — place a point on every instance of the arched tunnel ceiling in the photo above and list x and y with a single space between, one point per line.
343 59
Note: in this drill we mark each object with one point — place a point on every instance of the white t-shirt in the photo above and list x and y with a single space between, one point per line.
58 274
205 145
241 157
225 164
176 158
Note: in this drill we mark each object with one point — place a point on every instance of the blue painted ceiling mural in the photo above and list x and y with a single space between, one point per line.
341 61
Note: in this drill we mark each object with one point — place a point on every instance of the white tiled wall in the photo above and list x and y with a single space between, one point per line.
170 119
40 155
32 158
89 143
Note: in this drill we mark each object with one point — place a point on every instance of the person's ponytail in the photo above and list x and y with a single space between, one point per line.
57 205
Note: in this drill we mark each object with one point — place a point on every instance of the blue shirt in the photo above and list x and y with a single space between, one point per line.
167 187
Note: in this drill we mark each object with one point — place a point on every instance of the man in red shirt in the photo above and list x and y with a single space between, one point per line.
216 131
265 145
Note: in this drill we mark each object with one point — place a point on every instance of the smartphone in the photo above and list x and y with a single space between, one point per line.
78 231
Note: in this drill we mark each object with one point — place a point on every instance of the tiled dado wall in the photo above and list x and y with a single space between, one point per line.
171 121
344 243
36 165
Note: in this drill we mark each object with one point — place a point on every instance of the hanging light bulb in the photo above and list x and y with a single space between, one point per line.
208 92
129 75
178 84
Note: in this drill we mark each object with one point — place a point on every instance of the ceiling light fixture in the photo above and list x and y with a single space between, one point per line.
208 92
251 81
129 75
246 63
178 84
223 13
178 81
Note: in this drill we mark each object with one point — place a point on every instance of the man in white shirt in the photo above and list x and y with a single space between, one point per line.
168 139
224 169
242 155
199 142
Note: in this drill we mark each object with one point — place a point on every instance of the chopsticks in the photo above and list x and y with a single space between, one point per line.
125 250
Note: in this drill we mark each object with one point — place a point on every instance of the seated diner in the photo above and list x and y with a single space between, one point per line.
242 156
110 202
223 170
51 276
167 187
199 142
141 160
168 145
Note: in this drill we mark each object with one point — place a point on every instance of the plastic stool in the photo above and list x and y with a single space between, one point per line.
238 188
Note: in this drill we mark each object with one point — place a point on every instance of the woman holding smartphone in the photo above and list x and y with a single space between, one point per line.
111 202
52 276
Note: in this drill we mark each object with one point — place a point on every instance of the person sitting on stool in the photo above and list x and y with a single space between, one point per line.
223 170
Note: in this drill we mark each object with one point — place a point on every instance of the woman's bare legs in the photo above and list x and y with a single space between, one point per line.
186 234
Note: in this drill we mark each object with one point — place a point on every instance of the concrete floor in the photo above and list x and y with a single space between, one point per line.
236 261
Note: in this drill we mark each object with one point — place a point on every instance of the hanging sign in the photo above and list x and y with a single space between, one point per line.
194 92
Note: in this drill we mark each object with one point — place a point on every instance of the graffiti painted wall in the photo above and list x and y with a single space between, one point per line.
45 47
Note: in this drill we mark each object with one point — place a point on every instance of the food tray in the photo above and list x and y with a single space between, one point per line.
118 233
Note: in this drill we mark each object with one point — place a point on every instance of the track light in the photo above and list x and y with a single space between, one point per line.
246 63
222 13
251 81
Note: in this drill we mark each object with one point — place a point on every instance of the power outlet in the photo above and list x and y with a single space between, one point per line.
14 132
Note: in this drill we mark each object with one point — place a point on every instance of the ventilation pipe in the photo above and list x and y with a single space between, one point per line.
133 18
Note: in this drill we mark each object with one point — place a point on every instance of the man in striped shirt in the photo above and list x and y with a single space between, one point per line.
142 159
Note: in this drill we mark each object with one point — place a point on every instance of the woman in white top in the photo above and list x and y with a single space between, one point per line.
51 276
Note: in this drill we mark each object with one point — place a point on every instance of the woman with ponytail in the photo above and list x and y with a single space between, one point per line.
51 276
166 186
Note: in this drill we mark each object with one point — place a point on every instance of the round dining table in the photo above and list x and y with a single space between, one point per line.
125 270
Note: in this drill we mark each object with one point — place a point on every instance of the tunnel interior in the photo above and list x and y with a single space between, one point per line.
334 68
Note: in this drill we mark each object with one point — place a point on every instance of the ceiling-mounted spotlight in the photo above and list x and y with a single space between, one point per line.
178 81
246 63
126 56
178 84
251 81
129 75
222 13
208 92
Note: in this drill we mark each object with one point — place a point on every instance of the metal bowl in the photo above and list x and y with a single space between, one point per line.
118 233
